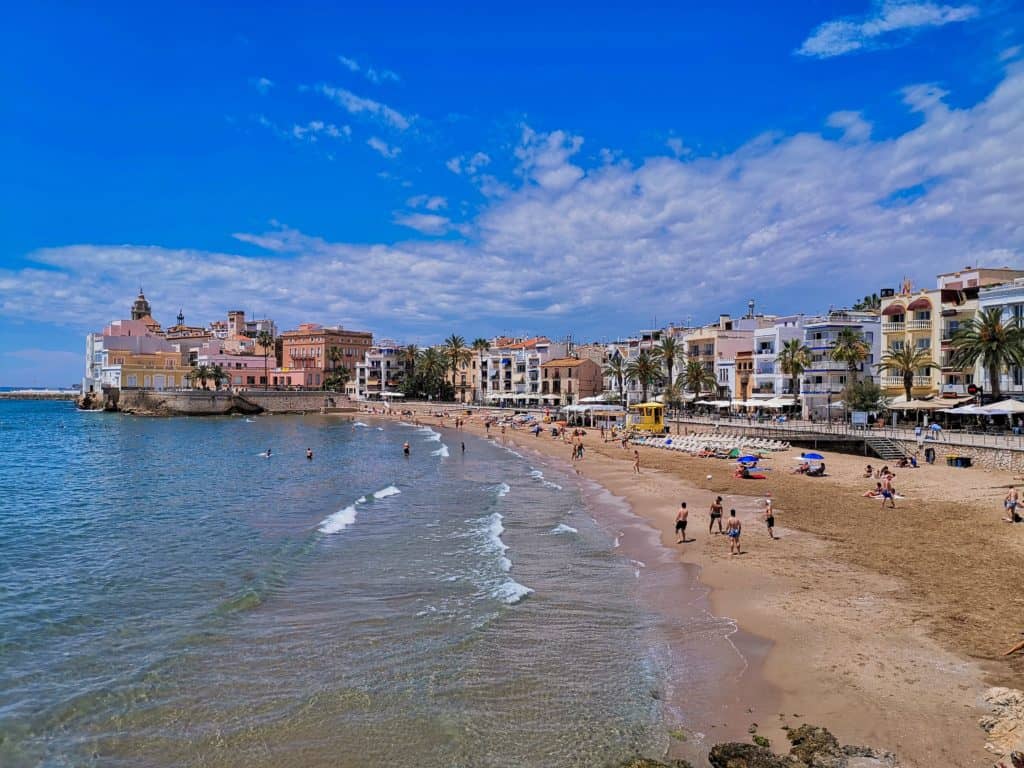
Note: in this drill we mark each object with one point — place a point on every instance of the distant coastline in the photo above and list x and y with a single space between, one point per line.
34 393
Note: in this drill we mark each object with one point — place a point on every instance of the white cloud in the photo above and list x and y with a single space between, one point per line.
430 202
674 143
852 124
427 223
469 164
802 220
309 132
887 17
383 148
373 75
357 105
262 84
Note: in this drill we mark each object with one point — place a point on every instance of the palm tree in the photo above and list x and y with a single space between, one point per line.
407 357
906 362
338 379
668 353
869 303
481 345
218 375
644 370
850 348
266 340
616 368
794 358
430 372
200 373
990 340
695 377
457 354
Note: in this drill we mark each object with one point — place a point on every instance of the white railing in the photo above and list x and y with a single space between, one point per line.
897 381
919 325
893 327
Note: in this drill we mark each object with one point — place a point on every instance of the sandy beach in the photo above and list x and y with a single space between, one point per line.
884 626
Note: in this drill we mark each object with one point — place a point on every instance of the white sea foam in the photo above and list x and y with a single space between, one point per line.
511 592
618 540
380 429
563 528
339 521
442 451
360 424
383 493
537 474
503 490
494 531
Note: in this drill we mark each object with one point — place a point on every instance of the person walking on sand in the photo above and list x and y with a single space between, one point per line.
681 517
887 491
769 517
1010 505
716 514
733 529
636 462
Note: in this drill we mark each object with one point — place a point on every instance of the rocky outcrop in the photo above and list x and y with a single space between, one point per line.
810 747
1005 724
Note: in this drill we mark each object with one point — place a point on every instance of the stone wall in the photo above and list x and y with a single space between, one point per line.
200 403
1005 459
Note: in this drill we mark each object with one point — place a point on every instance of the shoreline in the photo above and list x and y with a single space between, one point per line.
830 641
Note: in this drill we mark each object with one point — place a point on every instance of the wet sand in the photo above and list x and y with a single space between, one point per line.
885 627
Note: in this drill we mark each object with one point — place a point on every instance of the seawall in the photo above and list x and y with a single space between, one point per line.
142 402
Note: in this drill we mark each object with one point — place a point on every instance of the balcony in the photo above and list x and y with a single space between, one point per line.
827 365
897 381
919 325
893 327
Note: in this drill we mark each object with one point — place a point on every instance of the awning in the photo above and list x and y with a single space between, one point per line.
391 394
1004 407
894 309
920 303
923 405
968 410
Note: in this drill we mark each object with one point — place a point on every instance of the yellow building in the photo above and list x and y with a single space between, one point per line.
150 370
927 319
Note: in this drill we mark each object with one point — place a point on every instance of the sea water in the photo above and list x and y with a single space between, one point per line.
171 596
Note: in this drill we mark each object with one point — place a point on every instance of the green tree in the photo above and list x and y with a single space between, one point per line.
218 375
794 358
481 345
668 353
429 377
458 355
696 378
863 395
200 373
905 362
266 341
338 378
615 368
991 341
850 348
645 371
869 303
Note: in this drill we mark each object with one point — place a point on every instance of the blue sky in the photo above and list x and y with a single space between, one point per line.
421 169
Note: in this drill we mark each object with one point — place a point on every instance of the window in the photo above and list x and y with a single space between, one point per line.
1017 378
897 346
923 344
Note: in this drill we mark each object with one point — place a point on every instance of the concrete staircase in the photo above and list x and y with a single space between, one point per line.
886 449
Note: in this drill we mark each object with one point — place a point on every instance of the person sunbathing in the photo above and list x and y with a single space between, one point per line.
801 469
869 471
874 493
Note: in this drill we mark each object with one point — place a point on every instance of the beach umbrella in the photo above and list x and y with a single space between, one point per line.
748 459
815 456
807 459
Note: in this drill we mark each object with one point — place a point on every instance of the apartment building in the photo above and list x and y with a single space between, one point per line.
568 380
824 380
310 349
384 368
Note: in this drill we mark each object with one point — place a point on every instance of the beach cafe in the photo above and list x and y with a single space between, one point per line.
647 417
594 415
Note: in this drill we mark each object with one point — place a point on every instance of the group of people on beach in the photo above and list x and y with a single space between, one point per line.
733 529
884 488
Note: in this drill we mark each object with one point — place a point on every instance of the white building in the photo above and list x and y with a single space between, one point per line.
1010 298
382 370
824 380
769 380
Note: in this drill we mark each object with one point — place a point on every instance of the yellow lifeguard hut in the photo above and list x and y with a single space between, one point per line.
647 417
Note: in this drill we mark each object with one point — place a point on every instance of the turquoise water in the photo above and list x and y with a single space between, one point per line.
170 597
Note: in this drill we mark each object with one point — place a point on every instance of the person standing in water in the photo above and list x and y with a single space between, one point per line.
733 529
716 514
309 454
681 517
405 449
636 462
